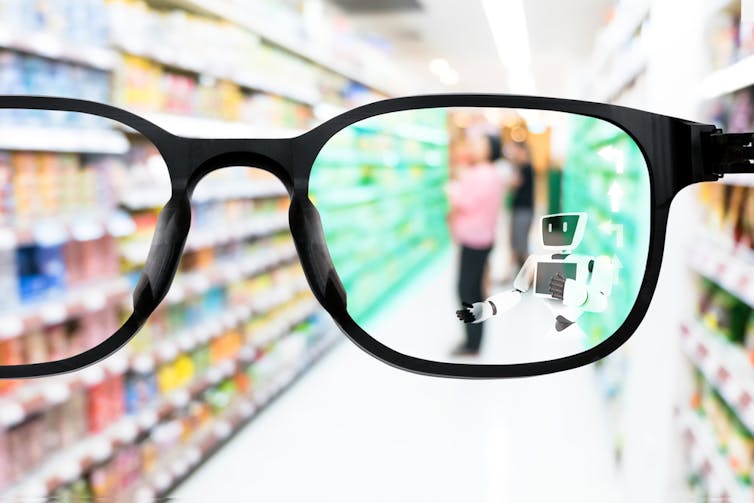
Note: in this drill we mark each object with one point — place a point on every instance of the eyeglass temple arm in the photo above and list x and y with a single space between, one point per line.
728 153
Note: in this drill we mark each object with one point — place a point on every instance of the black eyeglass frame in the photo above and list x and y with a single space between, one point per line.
677 152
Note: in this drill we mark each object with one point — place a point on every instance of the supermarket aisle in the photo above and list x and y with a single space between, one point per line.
354 428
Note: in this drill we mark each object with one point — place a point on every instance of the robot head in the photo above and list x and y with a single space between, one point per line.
563 231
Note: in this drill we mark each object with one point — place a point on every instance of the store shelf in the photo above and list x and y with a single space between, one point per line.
186 63
729 79
706 461
154 197
69 305
51 46
78 459
136 251
724 366
270 33
745 179
197 282
69 140
199 127
714 6
627 20
84 226
722 263
623 78
223 431
30 400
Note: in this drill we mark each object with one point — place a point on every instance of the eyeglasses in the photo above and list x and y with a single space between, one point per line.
525 231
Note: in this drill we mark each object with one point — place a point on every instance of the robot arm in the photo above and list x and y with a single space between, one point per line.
500 302
600 286
589 297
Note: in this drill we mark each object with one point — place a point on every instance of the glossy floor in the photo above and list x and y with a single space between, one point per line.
354 429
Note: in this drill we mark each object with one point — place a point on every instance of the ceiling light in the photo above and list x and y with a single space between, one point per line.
439 66
507 22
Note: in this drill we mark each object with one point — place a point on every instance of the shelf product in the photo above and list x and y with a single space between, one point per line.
733 439
386 188
83 22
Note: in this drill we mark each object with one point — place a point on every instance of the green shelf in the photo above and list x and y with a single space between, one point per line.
590 172
380 190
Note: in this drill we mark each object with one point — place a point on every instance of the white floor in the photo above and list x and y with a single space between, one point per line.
354 429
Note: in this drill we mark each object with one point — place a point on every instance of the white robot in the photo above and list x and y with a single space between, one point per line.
569 284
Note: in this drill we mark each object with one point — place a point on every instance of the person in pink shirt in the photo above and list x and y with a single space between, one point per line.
475 196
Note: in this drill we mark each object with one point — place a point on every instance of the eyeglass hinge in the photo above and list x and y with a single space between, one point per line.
726 153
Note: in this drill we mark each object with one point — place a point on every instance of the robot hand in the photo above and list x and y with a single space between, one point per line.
495 305
569 291
474 313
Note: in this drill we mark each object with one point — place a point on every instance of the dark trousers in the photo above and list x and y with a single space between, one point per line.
473 262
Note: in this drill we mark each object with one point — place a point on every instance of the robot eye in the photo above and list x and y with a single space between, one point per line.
565 226
549 227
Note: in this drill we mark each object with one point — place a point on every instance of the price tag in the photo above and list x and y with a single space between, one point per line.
194 455
126 430
93 300
34 490
144 495
228 367
11 413
143 364
10 326
176 294
246 409
185 342
180 398
56 392
92 375
68 470
214 375
200 283
116 364
167 351
732 273
228 320
223 429
147 419
100 449
45 44
179 468
162 481
53 313
87 229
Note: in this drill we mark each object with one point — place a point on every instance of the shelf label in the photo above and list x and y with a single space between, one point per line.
11 414
56 393
10 326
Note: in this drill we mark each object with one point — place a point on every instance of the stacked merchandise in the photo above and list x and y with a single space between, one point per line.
729 39
719 344
78 206
392 178
718 339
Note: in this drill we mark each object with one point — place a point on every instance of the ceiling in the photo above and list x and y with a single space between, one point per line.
561 35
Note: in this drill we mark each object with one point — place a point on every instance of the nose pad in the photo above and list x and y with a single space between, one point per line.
164 255
306 227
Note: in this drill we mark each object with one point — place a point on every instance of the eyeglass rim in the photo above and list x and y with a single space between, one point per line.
670 146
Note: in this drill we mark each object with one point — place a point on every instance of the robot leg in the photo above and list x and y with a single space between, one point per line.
564 316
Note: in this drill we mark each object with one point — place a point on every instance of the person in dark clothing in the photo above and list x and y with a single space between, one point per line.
522 207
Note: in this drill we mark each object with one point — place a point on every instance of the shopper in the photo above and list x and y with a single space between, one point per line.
475 196
523 200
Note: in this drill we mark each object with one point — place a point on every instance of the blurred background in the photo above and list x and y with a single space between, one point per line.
240 387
